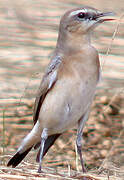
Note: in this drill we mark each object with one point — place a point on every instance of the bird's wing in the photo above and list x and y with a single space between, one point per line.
47 83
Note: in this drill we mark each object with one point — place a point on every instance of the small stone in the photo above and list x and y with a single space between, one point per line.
106 132
107 144
122 111
95 139
104 100
104 153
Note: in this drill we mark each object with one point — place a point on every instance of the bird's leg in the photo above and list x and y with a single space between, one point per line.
44 136
81 124
79 150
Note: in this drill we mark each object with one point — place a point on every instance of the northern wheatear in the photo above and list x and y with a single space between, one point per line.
68 86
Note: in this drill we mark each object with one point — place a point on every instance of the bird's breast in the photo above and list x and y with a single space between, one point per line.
66 102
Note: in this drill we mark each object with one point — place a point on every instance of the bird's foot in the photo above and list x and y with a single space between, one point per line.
39 169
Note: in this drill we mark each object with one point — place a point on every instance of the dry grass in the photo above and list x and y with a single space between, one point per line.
29 171
61 161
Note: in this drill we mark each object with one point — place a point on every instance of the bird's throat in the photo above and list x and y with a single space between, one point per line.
72 43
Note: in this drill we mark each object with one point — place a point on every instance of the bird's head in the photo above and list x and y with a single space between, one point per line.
82 20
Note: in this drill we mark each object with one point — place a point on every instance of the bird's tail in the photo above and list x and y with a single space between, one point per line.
29 141
17 158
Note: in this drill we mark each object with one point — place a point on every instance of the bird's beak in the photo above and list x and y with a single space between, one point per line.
101 17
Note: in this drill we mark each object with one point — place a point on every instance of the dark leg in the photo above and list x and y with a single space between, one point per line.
43 139
79 150
81 124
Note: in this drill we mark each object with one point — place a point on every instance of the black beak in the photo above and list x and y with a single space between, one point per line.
100 17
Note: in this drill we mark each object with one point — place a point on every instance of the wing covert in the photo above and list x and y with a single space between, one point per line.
47 83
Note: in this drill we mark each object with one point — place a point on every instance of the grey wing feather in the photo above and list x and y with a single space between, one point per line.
47 83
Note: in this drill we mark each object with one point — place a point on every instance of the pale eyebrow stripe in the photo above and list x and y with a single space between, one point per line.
78 11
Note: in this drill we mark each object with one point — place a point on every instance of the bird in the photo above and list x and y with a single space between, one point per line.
68 86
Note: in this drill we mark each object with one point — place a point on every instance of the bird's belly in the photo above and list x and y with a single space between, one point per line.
65 104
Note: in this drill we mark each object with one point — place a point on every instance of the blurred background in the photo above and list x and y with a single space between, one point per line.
28 34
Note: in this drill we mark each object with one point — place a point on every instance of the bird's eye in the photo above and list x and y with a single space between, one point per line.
81 15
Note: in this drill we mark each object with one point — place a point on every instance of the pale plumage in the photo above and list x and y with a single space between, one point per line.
68 86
